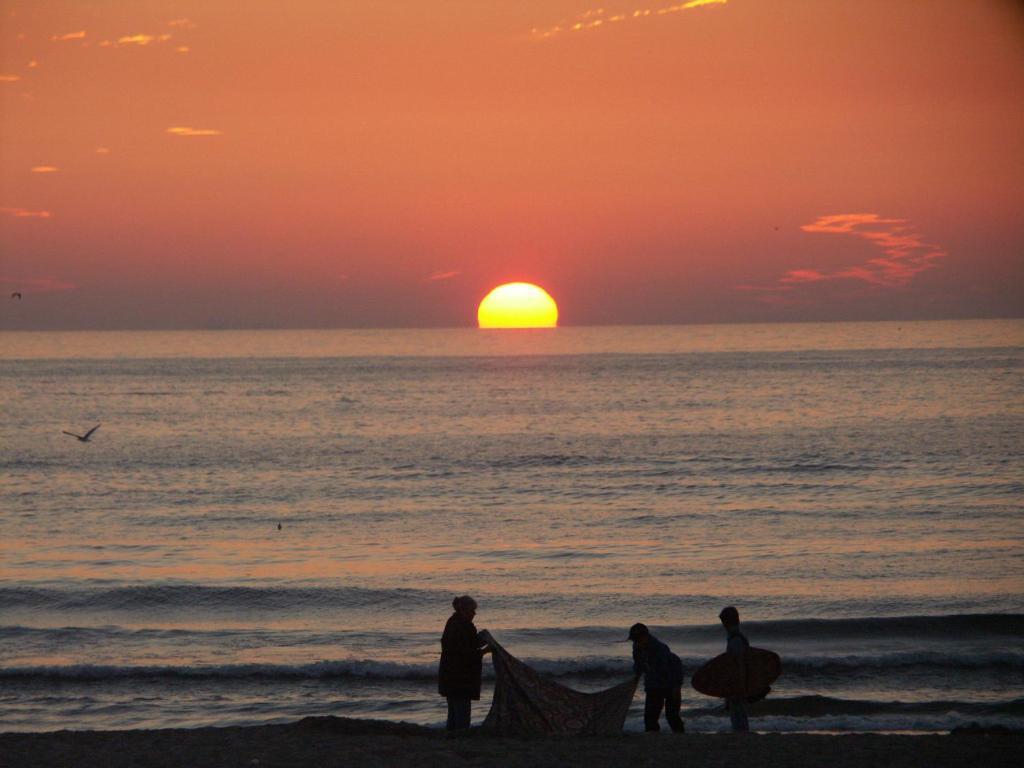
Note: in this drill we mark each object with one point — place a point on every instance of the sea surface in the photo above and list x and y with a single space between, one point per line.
272 524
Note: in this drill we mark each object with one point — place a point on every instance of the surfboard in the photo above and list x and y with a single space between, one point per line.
723 678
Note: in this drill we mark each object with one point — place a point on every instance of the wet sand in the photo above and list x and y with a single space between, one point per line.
330 741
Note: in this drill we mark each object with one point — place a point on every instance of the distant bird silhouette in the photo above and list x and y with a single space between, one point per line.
84 438
16 295
279 526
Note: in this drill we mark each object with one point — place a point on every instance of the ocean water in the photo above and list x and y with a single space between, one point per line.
856 490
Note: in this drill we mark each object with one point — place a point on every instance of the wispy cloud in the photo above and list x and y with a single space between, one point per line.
44 169
142 39
443 275
80 35
139 39
184 130
904 254
102 151
9 78
597 18
45 284
25 213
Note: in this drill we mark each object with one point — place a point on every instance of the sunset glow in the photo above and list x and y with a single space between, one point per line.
518 305
749 332
381 165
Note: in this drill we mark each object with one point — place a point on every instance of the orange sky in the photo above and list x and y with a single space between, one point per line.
323 163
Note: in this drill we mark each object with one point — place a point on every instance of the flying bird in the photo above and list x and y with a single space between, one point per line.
84 438
16 295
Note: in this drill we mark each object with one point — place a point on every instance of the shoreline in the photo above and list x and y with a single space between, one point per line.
339 741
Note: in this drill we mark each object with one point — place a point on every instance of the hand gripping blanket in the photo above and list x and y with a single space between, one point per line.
527 703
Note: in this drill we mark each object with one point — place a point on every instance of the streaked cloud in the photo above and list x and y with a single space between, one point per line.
102 151
597 18
80 35
904 254
43 284
443 275
184 130
145 39
25 213
9 78
45 169
141 39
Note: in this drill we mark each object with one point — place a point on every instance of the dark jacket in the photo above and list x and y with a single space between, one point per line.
461 660
660 667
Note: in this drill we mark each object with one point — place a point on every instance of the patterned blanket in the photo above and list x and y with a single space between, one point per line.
527 703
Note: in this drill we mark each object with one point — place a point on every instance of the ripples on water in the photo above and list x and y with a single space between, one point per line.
575 481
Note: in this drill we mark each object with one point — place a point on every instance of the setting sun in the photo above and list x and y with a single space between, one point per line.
518 305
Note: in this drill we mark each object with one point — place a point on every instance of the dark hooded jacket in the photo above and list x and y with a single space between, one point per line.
461 660
660 667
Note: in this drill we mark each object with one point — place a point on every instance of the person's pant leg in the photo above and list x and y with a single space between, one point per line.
450 725
463 708
458 713
652 708
673 702
738 715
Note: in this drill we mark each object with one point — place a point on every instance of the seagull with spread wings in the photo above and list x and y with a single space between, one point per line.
84 438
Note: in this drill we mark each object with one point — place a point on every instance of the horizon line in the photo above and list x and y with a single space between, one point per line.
247 328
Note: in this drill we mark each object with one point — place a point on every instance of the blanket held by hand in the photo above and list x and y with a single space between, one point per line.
527 703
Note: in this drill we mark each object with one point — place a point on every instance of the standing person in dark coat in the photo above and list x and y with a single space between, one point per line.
461 666
663 679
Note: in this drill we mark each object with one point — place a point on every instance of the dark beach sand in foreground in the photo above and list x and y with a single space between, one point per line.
330 741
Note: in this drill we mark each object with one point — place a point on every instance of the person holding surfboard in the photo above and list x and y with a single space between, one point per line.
663 679
742 675
736 646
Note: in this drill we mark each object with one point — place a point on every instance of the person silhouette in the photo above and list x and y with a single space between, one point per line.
461 665
736 645
662 671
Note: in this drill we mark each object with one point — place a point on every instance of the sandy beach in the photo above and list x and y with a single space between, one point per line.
331 741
